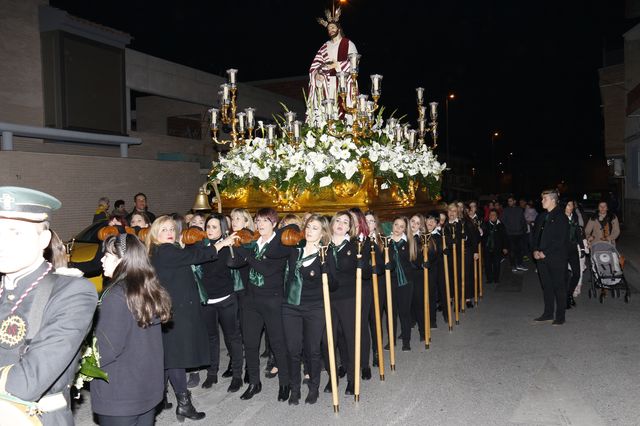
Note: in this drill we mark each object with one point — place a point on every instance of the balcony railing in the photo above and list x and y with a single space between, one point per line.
9 130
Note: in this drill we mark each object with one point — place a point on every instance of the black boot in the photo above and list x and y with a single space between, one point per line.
327 389
294 397
251 391
186 409
366 373
312 396
228 372
349 390
193 380
283 393
211 380
342 371
236 384
165 404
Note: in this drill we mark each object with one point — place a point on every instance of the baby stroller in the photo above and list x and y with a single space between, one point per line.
606 272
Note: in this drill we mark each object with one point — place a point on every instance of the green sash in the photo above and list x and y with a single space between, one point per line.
255 277
294 292
335 249
402 279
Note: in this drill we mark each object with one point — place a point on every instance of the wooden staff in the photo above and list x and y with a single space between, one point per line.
463 299
455 274
475 279
376 307
327 317
480 268
387 276
446 281
426 238
356 393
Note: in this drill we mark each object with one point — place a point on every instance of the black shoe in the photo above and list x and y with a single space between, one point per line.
271 362
469 304
185 408
194 380
235 385
228 372
327 389
434 323
312 397
406 347
210 381
265 354
283 393
270 375
349 390
306 379
246 377
557 322
542 320
342 371
165 404
294 398
386 347
366 373
251 391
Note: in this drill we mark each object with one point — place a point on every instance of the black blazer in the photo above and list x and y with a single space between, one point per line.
551 236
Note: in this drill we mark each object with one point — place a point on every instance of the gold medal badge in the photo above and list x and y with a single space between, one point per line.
13 331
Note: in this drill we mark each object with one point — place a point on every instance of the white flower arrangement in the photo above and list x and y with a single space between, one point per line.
321 158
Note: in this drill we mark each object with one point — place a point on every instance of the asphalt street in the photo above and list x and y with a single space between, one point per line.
495 368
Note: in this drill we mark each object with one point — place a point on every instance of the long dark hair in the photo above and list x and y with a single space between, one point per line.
146 298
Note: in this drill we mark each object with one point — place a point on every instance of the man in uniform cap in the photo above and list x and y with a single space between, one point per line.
44 316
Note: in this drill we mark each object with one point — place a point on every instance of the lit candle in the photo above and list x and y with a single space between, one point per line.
232 76
291 116
421 126
434 110
296 129
241 119
398 133
271 128
225 92
376 79
354 61
362 103
412 138
214 117
420 95
342 81
250 117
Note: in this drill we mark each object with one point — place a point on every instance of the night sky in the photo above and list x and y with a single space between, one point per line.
526 69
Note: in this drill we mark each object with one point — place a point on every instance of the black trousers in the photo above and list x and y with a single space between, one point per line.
515 249
574 277
402 297
303 328
226 314
262 311
144 419
343 318
365 335
178 379
554 288
492 265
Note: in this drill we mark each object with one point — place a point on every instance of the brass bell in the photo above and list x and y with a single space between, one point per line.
202 199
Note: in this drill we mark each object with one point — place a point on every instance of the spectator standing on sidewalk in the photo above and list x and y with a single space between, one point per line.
603 226
514 223
102 212
140 200
530 214
550 250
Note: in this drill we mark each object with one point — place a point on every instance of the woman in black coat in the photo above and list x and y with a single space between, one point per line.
185 336
129 336
221 308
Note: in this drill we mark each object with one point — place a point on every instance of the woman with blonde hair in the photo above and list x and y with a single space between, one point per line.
185 339
241 218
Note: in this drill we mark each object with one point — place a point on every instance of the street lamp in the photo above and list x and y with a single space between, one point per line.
450 96
494 135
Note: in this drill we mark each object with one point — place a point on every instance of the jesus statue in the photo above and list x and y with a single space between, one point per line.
332 57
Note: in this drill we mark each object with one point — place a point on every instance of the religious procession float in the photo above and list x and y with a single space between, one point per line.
345 153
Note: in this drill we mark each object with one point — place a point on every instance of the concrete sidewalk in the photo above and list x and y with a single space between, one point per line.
495 368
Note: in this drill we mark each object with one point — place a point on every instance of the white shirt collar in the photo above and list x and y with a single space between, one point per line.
261 243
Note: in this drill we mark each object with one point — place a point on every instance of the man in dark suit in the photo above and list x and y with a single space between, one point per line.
550 250
44 315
